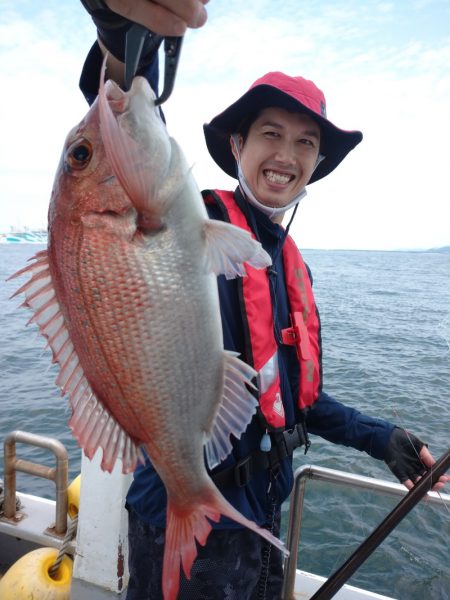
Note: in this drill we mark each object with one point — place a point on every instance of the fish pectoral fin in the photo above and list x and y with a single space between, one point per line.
92 425
235 411
229 247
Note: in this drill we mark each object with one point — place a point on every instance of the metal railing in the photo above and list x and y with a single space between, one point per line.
301 476
58 474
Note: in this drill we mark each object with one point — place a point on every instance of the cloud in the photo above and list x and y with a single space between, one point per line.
39 67
389 192
391 82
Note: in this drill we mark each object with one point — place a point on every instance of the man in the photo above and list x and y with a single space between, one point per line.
275 139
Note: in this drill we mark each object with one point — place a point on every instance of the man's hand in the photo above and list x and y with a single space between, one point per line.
428 461
409 459
165 17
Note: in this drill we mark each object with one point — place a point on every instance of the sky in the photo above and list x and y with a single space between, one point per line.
384 68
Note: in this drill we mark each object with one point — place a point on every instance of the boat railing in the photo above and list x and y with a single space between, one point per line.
57 474
317 473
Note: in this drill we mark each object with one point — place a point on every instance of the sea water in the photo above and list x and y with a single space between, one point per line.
386 351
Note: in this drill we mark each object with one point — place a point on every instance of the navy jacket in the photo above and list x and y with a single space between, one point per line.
328 418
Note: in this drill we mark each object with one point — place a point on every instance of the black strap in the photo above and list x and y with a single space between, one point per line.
283 445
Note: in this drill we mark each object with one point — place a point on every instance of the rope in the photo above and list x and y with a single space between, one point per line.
70 533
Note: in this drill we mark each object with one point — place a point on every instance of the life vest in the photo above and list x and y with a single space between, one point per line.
257 316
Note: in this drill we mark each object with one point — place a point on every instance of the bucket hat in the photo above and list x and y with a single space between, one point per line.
291 93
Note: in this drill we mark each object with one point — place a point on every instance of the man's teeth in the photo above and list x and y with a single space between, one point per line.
277 177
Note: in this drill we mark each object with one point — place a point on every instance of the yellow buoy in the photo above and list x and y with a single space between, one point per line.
29 579
73 497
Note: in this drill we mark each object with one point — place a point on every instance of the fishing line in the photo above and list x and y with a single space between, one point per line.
443 330
400 420
443 502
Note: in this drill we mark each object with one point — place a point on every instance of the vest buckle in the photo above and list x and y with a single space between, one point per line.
242 472
290 336
297 335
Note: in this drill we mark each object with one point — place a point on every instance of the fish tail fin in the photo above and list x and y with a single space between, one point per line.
186 525
182 529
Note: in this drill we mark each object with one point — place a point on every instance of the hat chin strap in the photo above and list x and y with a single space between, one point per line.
270 211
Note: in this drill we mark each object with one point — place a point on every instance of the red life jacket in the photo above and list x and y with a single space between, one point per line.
257 317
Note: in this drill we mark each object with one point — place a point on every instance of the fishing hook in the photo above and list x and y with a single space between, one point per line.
134 43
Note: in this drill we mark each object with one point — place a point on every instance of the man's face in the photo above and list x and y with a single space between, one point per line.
279 155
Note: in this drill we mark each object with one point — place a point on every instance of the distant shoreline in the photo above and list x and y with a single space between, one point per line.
39 236
440 250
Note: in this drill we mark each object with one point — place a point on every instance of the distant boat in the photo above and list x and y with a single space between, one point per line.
24 237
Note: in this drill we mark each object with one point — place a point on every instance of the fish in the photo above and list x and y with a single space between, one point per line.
126 296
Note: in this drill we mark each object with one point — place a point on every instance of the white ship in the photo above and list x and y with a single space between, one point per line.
38 236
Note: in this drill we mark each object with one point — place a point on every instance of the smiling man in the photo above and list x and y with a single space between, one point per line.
280 154
282 120
275 140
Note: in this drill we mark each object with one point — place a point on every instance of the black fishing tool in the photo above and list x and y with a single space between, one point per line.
420 489
134 43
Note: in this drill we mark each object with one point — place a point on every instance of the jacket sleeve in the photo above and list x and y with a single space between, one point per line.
344 425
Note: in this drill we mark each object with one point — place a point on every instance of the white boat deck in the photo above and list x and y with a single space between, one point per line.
307 584
100 551
34 529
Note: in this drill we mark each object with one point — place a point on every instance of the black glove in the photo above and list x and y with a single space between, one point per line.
402 455
112 29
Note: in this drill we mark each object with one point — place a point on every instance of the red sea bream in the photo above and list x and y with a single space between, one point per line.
126 295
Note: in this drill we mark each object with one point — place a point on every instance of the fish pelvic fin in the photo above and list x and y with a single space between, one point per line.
186 526
235 411
229 247
92 425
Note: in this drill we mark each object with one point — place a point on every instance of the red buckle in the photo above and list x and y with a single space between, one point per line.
290 336
297 335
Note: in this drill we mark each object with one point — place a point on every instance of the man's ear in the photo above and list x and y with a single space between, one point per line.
236 144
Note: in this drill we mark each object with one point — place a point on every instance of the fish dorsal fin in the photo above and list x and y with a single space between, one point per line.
235 411
92 425
228 247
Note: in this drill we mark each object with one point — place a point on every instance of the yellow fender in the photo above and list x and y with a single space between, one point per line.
28 578
73 497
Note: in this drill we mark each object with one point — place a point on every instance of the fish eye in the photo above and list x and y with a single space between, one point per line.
79 154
